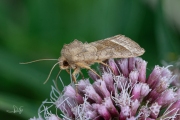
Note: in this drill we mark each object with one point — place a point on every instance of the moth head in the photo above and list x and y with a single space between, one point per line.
63 63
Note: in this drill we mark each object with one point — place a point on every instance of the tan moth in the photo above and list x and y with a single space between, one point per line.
77 55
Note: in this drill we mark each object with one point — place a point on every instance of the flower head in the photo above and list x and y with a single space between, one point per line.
122 93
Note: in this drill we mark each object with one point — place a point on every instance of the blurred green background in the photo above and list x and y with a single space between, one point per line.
34 29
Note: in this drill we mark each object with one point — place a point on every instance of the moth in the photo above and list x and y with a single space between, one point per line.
78 55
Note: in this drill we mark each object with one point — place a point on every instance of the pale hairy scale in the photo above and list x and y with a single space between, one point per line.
78 55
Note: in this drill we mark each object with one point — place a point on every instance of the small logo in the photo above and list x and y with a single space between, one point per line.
16 110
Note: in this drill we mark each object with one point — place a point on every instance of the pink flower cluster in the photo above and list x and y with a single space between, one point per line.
122 93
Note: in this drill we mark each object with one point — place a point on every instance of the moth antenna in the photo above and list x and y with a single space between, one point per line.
58 75
55 82
51 72
36 61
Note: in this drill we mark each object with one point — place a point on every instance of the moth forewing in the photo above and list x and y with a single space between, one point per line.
117 46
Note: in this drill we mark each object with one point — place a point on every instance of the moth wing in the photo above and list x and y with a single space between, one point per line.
117 46
77 52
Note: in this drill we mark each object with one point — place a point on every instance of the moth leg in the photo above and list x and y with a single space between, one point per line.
75 72
84 65
81 74
67 70
105 65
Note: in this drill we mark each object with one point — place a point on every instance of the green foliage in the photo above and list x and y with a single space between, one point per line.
34 29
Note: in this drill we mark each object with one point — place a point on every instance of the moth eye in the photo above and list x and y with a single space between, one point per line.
65 63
